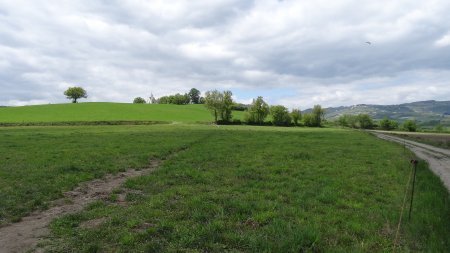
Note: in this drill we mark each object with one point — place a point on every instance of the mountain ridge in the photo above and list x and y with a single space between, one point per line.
426 113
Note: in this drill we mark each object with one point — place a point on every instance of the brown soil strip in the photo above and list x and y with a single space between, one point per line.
24 235
437 158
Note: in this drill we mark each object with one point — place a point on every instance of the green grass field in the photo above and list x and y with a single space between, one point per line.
232 188
107 112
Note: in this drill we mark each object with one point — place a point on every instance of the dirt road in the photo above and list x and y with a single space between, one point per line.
437 158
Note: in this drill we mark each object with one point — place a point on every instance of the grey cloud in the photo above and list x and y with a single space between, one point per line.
316 49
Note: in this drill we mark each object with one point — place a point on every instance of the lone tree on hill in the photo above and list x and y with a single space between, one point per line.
194 95
75 93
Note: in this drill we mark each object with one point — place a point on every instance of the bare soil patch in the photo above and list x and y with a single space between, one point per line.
24 235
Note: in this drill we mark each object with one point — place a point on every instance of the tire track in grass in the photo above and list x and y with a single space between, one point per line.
24 235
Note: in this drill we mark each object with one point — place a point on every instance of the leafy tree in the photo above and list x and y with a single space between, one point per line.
318 115
347 120
194 96
212 102
387 124
177 99
296 116
280 115
227 105
308 119
365 121
75 93
163 100
410 125
139 100
257 112
220 104
439 128
201 100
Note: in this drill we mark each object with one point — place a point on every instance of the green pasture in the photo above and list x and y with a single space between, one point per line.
227 188
107 112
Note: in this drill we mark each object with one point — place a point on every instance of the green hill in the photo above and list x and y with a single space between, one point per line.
107 112
427 113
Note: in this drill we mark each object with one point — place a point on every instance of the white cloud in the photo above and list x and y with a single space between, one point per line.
444 41
314 50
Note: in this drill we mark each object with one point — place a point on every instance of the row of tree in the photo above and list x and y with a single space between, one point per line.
221 106
365 121
192 97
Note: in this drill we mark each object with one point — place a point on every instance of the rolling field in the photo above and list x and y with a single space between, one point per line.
83 112
227 188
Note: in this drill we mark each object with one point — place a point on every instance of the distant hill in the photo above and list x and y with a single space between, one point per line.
426 113
107 112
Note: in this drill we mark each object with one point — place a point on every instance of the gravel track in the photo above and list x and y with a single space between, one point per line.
437 158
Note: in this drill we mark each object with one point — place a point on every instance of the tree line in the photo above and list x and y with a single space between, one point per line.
191 97
221 106
365 121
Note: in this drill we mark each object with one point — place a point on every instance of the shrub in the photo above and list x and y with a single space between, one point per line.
364 121
387 124
410 125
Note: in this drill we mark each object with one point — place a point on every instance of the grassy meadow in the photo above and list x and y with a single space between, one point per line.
231 188
85 112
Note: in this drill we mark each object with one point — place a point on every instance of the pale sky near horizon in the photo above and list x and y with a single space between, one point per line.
294 53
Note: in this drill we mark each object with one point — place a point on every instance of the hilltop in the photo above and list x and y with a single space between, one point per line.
107 112
427 113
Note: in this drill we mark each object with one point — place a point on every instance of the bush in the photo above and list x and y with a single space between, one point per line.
280 115
139 100
410 125
387 124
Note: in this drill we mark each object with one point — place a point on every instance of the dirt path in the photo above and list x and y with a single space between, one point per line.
437 158
24 235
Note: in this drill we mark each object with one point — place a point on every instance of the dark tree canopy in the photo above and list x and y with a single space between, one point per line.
194 95
75 93
139 100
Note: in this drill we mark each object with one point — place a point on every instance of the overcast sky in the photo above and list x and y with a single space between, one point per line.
295 53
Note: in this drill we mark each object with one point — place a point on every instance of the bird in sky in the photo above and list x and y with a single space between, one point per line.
368 42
